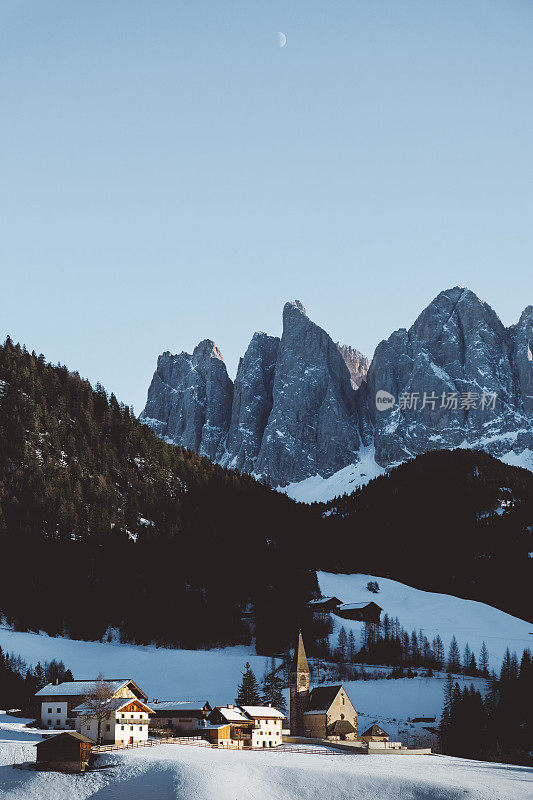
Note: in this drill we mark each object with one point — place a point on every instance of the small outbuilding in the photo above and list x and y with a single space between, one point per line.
375 734
65 752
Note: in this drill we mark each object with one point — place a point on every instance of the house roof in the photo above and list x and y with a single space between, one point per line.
341 727
82 687
263 712
375 730
322 697
320 600
356 606
74 734
179 705
111 704
231 714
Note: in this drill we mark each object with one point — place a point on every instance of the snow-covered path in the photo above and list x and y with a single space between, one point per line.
174 772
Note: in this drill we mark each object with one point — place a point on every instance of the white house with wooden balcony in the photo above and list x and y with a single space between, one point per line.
268 722
125 721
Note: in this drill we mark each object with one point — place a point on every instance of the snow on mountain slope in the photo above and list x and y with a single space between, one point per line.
345 481
434 613
174 771
163 673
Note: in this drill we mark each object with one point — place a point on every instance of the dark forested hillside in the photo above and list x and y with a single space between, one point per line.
103 524
459 522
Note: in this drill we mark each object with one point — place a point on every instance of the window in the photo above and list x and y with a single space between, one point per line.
49 722
58 722
342 699
58 710
108 727
122 715
122 727
88 727
49 710
132 716
131 727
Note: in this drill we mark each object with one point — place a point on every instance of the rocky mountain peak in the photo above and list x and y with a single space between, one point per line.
356 362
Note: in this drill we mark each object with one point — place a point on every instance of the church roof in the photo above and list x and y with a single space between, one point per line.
322 697
341 727
299 663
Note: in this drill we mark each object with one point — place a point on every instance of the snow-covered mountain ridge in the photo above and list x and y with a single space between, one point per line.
304 409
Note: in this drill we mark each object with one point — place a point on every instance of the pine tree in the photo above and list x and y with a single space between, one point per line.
438 652
342 645
484 660
352 649
272 688
454 657
248 691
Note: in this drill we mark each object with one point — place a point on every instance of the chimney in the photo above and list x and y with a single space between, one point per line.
56 681
230 705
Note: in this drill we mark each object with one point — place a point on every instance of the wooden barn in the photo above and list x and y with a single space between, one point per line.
65 752
324 605
360 612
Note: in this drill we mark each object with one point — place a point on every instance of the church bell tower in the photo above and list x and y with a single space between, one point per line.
299 689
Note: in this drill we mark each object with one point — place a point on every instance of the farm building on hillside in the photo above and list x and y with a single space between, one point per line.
360 612
66 752
59 699
324 604
182 716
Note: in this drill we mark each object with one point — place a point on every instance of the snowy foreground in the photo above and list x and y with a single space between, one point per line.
183 772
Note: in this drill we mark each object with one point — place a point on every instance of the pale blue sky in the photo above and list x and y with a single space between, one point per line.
170 174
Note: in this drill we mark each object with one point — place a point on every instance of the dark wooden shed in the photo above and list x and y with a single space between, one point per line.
66 752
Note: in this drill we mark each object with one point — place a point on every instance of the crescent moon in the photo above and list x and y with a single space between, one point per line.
282 39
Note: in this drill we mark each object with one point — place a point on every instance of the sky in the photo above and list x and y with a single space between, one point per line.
168 173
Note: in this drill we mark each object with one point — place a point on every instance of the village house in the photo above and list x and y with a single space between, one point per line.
179 716
60 702
245 726
125 721
268 722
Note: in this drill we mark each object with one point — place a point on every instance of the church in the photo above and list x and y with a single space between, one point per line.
325 712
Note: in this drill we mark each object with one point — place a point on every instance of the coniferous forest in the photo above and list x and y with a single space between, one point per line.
105 526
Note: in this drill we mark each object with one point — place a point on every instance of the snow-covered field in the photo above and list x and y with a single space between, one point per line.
434 613
178 772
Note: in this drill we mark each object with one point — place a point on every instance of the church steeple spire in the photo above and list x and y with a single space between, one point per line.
299 691
299 663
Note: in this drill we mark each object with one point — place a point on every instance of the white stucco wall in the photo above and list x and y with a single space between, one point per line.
54 714
267 733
